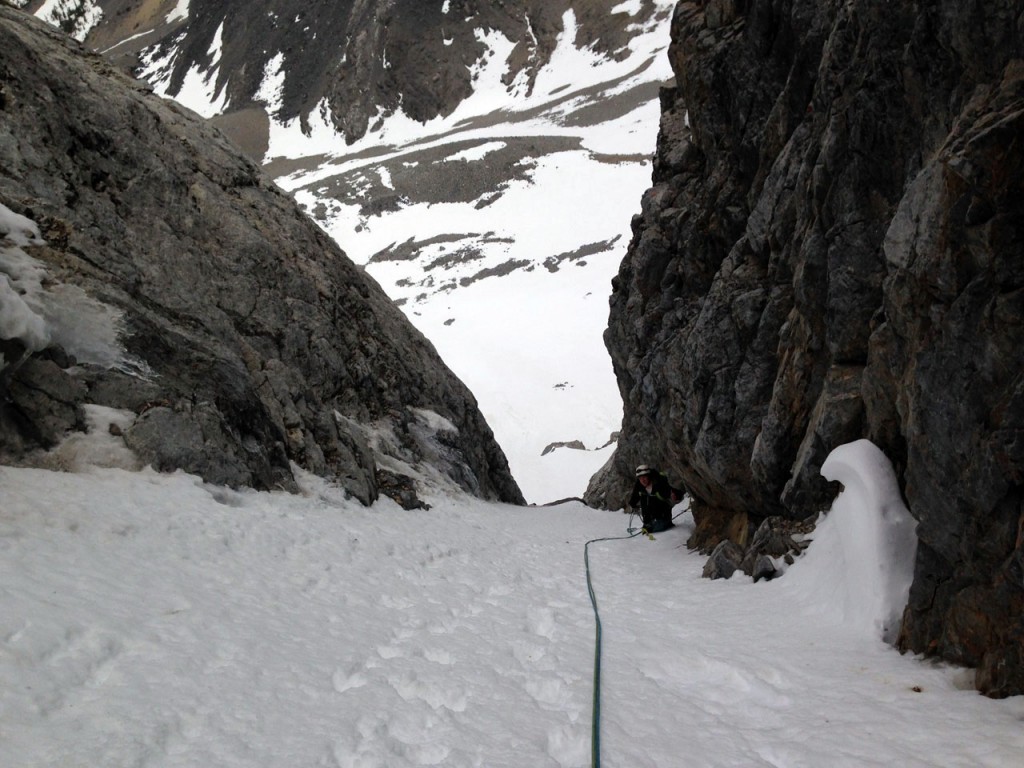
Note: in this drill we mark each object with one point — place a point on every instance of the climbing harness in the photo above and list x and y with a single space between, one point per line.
595 728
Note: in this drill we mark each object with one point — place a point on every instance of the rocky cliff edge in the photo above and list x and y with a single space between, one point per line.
150 268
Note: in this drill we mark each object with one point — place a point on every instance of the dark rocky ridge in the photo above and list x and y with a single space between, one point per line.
265 344
361 57
831 250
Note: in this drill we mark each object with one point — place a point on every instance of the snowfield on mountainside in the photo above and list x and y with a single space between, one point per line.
497 228
153 619
507 222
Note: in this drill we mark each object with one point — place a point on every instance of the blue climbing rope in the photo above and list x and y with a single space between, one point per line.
595 728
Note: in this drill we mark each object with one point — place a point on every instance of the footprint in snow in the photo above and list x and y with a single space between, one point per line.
541 621
346 681
438 656
396 603
390 652
550 693
437 693
527 652
569 745
383 740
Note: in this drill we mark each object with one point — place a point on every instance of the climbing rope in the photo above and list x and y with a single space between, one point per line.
595 728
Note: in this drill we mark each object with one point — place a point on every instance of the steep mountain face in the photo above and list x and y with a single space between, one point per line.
351 61
830 251
499 220
178 284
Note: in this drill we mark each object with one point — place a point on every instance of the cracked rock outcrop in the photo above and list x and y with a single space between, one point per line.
831 250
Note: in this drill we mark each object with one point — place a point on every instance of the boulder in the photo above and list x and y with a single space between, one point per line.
724 561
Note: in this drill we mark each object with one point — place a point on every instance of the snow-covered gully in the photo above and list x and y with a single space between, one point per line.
151 619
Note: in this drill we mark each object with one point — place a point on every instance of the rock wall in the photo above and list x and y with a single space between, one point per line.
248 340
831 250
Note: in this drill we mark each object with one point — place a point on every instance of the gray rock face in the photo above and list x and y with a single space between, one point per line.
362 59
250 342
830 251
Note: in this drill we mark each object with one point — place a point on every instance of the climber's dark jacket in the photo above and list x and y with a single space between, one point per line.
655 507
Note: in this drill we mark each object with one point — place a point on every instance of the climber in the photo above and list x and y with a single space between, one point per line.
653 497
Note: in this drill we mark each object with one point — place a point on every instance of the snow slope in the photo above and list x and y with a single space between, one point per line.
151 619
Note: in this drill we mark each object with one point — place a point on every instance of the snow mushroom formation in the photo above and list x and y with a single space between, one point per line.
830 251
149 267
868 542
